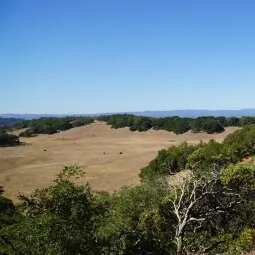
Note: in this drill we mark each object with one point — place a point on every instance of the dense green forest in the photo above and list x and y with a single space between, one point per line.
210 210
51 125
176 124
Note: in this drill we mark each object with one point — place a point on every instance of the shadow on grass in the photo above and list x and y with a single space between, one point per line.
12 145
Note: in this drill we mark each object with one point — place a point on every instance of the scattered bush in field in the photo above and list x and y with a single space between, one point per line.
8 139
26 133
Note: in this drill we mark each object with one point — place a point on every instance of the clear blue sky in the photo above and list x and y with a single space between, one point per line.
92 56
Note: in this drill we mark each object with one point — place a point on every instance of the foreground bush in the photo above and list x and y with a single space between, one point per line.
203 157
61 219
201 215
8 139
211 210
168 161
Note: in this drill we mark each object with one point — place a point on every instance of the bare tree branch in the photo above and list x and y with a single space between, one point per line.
193 192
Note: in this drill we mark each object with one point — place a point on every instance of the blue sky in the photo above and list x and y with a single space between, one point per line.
107 56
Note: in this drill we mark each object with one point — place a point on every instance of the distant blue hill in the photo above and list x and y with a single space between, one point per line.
156 114
198 113
5 122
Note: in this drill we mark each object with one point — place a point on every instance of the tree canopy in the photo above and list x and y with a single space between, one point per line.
176 124
210 210
51 125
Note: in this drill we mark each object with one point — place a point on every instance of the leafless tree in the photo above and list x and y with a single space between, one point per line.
188 200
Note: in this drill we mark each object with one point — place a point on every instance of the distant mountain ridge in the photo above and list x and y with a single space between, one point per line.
4 122
156 114
198 113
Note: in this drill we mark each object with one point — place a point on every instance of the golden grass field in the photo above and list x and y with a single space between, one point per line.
96 148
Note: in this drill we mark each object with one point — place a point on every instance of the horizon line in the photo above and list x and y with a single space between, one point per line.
135 111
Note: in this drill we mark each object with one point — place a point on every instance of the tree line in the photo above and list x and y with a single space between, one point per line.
234 148
176 124
51 125
210 210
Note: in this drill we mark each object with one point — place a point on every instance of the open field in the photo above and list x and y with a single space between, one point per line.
96 148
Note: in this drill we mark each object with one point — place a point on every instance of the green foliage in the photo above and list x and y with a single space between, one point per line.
26 133
21 125
82 121
67 218
69 172
135 123
204 157
246 121
8 212
208 156
210 211
239 176
244 243
125 230
209 125
8 139
246 240
52 125
168 161
61 219
240 144
8 215
172 124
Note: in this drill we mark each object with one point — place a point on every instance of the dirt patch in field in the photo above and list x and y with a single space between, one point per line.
111 158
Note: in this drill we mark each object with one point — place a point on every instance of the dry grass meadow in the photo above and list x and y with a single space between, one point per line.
96 148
